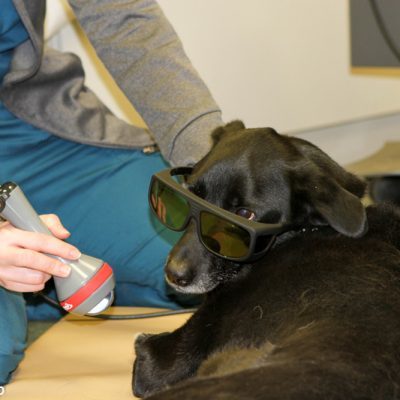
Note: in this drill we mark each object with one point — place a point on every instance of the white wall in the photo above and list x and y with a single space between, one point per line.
280 63
283 63
356 140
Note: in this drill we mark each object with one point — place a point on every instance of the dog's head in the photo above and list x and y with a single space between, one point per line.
272 178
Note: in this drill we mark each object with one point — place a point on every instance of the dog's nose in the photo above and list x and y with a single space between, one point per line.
177 274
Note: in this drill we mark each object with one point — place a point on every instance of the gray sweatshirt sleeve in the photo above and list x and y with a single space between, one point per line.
144 55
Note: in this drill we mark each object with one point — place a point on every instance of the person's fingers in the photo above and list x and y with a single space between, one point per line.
39 242
23 275
25 264
22 257
23 288
55 226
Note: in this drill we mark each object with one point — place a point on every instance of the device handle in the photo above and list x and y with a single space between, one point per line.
16 209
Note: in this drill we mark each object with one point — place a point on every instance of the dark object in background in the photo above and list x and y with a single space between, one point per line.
385 188
382 171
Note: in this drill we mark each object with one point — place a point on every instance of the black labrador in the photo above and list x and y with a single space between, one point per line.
318 317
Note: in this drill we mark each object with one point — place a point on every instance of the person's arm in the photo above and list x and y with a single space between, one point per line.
143 53
24 266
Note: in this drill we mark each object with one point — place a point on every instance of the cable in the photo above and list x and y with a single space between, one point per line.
383 29
124 316
144 316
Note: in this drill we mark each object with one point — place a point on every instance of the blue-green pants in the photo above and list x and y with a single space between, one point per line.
100 195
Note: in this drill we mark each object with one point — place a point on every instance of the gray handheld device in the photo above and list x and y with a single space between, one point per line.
89 288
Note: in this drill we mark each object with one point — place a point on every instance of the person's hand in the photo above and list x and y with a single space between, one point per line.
23 265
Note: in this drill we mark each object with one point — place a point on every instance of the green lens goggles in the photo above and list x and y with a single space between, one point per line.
222 233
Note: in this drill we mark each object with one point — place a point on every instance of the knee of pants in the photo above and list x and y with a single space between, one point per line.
13 332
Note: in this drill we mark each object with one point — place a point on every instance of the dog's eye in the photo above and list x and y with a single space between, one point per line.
245 213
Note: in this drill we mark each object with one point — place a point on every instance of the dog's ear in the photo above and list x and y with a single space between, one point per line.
331 194
342 210
329 167
230 127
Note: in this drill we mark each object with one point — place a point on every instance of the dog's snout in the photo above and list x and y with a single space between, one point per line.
179 276
177 273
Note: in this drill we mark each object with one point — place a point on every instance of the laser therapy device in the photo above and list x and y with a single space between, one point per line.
89 288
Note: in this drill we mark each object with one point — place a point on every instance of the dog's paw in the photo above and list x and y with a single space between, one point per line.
141 375
148 373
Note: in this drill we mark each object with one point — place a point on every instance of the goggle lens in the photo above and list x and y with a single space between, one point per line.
170 207
220 233
223 237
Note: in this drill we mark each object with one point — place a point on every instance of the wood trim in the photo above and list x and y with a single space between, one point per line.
377 71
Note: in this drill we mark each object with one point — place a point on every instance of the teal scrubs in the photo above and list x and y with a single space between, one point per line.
100 195
13 323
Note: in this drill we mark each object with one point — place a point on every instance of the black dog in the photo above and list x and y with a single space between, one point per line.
318 317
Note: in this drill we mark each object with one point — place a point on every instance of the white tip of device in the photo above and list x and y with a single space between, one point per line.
102 305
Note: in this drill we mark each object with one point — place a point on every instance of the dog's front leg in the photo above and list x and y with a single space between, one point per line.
162 360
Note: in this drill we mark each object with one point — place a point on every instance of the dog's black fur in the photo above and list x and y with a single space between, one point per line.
318 317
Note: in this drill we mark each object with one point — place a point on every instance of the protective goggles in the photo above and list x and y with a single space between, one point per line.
223 233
